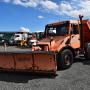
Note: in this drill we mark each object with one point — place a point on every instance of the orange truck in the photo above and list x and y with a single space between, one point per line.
61 43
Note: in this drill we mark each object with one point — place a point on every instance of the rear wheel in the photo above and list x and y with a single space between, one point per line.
65 59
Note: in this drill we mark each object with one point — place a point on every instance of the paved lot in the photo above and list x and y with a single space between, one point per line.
14 48
75 78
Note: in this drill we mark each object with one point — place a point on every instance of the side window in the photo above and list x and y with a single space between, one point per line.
62 29
74 29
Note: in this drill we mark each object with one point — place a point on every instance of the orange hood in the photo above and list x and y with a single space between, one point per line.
55 43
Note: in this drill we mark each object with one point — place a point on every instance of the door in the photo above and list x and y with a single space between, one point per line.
75 37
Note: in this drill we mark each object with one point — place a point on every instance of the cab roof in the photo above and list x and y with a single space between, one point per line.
66 22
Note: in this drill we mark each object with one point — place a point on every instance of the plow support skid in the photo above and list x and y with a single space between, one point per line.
43 62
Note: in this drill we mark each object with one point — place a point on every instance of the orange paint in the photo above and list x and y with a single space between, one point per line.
30 62
44 62
6 61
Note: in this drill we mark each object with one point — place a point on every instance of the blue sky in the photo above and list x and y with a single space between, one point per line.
35 14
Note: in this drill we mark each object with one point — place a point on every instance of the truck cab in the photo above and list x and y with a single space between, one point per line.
62 38
59 35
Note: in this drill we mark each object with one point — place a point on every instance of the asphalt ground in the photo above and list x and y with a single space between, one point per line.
77 77
14 48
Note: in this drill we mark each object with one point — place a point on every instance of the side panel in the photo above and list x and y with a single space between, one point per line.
86 33
6 61
44 62
23 61
75 41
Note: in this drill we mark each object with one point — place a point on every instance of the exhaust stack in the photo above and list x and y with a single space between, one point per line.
81 33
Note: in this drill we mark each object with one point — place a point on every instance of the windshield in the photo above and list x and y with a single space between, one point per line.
61 29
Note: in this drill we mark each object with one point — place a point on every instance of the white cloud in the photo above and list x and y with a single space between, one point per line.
71 8
25 3
46 4
49 5
41 17
18 2
39 31
65 7
32 3
23 29
7 1
74 9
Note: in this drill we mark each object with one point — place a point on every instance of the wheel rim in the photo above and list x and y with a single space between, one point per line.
67 60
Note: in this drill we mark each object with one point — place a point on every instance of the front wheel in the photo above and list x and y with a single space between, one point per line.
65 59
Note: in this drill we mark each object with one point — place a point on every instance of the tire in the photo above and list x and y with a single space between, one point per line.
65 59
86 56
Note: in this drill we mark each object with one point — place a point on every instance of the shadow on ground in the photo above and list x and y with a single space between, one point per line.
83 61
17 77
22 77
23 47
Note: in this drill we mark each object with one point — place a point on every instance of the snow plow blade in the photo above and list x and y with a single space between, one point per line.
36 61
